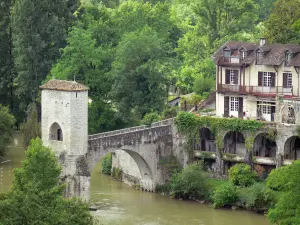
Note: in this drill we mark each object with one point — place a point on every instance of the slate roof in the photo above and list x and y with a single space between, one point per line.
273 54
64 85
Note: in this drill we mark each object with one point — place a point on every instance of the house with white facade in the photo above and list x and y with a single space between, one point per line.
258 81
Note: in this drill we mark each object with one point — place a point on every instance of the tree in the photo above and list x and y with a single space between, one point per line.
282 25
39 30
287 180
140 81
36 195
31 128
7 122
6 57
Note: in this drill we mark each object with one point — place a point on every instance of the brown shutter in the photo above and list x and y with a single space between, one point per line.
227 77
260 78
241 106
226 106
272 79
285 79
236 77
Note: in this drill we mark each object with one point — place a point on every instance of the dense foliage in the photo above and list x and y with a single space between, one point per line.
7 122
287 180
225 195
37 196
241 175
190 183
107 164
128 52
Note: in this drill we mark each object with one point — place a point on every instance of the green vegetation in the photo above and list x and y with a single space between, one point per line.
7 122
31 128
242 175
285 179
150 118
190 183
117 173
225 195
37 195
107 164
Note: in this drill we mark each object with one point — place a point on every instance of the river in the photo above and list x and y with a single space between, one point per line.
122 205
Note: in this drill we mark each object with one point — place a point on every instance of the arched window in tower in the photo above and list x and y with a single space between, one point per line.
55 132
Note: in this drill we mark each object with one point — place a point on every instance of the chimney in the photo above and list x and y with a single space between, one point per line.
262 42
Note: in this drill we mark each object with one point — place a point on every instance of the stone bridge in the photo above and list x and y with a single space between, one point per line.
147 146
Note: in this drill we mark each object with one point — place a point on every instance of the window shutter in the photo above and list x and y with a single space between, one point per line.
260 78
285 80
227 77
236 77
241 106
272 79
226 106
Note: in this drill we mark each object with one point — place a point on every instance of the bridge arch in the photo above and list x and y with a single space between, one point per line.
234 143
146 181
264 146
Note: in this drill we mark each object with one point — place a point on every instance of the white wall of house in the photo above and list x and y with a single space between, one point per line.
219 105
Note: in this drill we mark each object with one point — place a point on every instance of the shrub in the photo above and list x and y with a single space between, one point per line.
258 197
170 112
225 195
107 164
242 175
190 183
117 173
151 118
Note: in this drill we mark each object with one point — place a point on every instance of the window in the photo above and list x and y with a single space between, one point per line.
227 53
232 77
243 54
267 79
259 56
234 104
288 56
290 80
266 109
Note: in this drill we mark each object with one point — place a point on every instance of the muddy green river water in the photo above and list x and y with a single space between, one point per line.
122 205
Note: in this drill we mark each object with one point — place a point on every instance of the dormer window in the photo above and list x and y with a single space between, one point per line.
288 57
243 55
259 56
227 53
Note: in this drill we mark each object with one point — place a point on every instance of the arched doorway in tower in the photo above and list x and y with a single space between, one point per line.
292 148
55 132
234 143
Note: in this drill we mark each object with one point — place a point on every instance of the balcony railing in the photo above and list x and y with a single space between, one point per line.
230 60
255 90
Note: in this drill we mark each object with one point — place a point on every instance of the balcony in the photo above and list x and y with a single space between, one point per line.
255 90
230 60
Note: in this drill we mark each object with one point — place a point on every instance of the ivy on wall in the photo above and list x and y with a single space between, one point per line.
189 124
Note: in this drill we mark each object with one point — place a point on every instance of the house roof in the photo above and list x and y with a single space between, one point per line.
273 54
64 85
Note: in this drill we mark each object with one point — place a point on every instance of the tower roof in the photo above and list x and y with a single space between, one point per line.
64 85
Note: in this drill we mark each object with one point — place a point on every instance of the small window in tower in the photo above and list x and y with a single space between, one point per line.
76 94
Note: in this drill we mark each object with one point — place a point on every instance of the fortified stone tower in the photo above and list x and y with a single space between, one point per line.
65 130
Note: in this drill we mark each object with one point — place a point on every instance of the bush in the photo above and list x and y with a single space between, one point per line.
225 195
151 118
107 164
242 175
258 197
117 173
190 183
170 112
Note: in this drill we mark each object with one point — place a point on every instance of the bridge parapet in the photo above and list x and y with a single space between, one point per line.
132 129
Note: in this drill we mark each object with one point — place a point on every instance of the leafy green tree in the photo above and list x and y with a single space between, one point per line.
204 84
140 77
36 195
7 122
242 175
6 57
282 24
150 118
287 209
107 164
31 128
39 30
